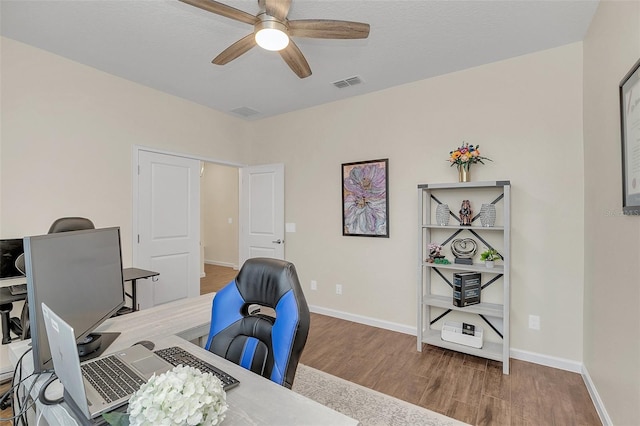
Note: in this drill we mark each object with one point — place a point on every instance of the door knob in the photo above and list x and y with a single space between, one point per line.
278 241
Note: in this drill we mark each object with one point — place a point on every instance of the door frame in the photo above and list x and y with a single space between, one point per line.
136 187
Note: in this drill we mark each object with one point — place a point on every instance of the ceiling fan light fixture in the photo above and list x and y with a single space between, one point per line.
271 34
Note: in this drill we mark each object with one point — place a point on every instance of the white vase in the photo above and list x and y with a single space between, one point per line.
489 263
488 215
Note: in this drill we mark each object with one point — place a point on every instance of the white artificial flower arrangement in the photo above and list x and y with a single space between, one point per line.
182 396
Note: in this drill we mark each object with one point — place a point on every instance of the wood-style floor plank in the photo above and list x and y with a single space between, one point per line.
493 412
215 278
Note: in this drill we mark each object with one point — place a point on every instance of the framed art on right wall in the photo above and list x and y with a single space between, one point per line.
630 135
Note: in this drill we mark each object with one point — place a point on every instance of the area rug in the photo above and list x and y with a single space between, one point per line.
370 407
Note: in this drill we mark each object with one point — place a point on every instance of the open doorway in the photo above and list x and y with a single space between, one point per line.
219 213
172 235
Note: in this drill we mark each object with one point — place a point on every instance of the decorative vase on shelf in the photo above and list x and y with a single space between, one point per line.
489 263
464 174
442 214
488 215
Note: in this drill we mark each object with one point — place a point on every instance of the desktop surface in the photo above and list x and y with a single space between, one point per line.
256 400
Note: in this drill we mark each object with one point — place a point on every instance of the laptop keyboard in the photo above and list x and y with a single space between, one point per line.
111 378
176 356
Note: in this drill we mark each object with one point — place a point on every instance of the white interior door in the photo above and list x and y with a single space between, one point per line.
168 227
262 212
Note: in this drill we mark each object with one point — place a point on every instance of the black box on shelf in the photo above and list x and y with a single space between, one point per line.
463 261
466 288
469 329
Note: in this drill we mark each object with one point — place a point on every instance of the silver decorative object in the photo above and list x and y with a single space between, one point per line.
488 215
442 214
464 248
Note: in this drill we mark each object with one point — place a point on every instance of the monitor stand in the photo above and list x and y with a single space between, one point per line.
95 345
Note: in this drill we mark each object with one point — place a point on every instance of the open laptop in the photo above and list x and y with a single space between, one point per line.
83 392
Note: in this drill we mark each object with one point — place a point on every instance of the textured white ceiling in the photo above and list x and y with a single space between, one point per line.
168 45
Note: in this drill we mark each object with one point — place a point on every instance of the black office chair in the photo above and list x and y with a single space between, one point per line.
20 326
15 323
267 345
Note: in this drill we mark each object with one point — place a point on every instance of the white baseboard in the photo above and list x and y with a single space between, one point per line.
225 264
547 360
387 325
595 397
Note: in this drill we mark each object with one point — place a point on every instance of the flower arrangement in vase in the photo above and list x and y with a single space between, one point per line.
489 256
181 396
463 157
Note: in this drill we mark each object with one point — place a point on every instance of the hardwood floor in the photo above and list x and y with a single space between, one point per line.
215 278
467 388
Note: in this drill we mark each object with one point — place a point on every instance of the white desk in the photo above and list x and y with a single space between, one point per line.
256 401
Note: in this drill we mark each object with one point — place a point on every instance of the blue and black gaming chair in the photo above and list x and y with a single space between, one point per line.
269 346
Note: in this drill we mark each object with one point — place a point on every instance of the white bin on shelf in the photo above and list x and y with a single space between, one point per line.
452 332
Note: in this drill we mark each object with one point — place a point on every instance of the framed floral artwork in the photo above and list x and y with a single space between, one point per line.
365 198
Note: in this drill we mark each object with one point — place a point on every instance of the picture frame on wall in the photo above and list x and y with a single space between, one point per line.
365 198
630 135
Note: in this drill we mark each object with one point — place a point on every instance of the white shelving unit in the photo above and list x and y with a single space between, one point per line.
435 294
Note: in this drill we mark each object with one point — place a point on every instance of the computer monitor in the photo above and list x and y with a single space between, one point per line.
78 274
10 249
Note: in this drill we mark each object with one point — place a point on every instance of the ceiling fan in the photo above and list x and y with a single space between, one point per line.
272 31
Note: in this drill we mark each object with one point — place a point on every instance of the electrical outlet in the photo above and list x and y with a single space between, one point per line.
314 285
534 322
338 288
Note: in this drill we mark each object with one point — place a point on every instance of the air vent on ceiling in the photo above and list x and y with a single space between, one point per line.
245 111
351 81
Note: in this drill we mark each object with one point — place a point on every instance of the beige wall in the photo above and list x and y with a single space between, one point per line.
67 133
67 136
219 204
612 252
526 113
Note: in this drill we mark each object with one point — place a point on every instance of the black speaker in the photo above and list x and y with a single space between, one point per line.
90 344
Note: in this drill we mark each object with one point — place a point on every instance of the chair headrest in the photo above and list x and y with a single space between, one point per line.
276 277
66 224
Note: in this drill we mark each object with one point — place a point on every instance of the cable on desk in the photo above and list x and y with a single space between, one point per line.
41 394
16 392
17 381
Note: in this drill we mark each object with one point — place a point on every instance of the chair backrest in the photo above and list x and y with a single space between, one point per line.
66 224
19 264
269 346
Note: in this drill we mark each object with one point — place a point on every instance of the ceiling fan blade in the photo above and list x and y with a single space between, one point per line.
279 9
326 28
295 59
236 49
223 10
